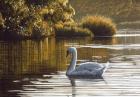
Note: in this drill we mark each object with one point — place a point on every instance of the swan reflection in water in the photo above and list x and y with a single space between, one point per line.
74 86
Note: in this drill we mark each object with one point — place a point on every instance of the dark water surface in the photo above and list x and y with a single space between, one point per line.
37 69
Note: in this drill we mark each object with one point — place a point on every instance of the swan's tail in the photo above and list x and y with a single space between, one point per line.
106 67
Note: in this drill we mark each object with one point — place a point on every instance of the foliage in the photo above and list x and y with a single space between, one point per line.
1 21
73 31
58 11
31 18
99 25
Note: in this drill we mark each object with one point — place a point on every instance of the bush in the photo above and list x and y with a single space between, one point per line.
73 31
99 25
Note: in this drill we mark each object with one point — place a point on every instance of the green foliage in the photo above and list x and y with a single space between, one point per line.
99 25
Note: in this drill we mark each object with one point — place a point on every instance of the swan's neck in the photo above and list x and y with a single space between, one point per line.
73 62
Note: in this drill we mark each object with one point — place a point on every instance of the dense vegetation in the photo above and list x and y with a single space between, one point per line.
27 19
32 18
99 25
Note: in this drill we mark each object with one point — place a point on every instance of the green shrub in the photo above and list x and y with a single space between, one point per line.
99 25
72 31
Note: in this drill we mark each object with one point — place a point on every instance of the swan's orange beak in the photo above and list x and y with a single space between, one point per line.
67 54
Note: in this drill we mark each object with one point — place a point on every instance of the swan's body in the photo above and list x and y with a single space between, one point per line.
88 69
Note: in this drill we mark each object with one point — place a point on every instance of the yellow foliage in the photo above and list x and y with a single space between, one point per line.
44 11
64 2
1 20
59 26
99 25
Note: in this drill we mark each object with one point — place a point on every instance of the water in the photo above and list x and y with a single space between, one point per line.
37 69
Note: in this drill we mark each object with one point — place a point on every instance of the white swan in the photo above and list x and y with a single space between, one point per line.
88 69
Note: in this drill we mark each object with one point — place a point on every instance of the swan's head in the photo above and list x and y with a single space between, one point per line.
71 50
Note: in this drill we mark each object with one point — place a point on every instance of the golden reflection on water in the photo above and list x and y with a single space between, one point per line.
48 56
29 68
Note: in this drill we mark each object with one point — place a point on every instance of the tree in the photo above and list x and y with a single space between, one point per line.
30 18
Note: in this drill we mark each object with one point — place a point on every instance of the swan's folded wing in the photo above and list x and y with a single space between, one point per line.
96 73
87 68
90 66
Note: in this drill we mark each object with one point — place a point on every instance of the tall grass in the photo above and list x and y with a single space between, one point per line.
99 25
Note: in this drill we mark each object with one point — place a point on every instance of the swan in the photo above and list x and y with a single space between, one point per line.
85 70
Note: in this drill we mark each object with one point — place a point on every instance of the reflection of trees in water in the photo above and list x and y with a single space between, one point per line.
100 54
24 59
27 57
30 57
84 53
93 54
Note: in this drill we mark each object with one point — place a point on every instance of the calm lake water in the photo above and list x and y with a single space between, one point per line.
37 69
